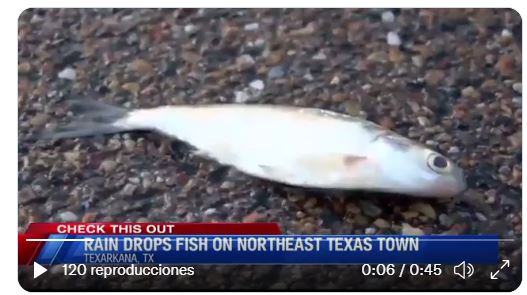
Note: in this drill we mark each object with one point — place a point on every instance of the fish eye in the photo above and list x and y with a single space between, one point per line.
438 163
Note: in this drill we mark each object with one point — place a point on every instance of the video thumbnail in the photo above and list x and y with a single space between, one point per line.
269 149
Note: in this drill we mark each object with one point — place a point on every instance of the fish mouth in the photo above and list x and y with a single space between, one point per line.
460 187
450 188
458 183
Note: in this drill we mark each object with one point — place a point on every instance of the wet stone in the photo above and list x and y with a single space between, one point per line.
370 209
445 220
276 72
68 216
407 229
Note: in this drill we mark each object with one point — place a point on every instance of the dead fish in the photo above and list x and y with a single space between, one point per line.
304 147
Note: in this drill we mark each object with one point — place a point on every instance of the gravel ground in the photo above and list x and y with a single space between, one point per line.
450 79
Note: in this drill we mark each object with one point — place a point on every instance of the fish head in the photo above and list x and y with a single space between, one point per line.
420 171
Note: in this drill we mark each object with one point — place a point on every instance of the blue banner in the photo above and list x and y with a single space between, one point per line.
268 249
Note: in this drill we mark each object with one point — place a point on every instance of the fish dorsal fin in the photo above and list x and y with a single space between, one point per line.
330 114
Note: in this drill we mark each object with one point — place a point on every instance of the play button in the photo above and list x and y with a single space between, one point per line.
38 270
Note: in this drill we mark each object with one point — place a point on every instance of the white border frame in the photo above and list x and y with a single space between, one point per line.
8 78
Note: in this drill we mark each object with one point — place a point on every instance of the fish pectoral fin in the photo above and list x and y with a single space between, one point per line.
351 161
317 170
340 170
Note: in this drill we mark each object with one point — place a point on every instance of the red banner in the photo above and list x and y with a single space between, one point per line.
29 250
153 228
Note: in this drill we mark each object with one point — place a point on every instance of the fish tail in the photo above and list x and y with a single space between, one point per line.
91 118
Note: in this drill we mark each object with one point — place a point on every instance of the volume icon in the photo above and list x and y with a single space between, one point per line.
464 270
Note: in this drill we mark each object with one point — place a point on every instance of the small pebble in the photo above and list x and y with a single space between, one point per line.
24 68
431 143
352 208
319 56
370 209
443 137
259 42
227 185
241 97
468 91
424 208
129 189
146 183
296 197
134 180
190 29
276 72
506 65
68 216
361 220
209 211
67 74
423 121
445 220
335 80
132 87
141 66
370 231
506 33
129 145
453 150
309 228
481 217
305 31
36 19
410 230
107 166
244 62
504 170
72 157
310 203
381 223
253 217
434 77
393 39
132 38
387 17
417 61
251 27
517 87
39 120
407 215
257 85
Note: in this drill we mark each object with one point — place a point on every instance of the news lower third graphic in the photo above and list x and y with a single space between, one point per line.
149 248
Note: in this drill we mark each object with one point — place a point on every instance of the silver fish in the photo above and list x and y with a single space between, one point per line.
298 146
